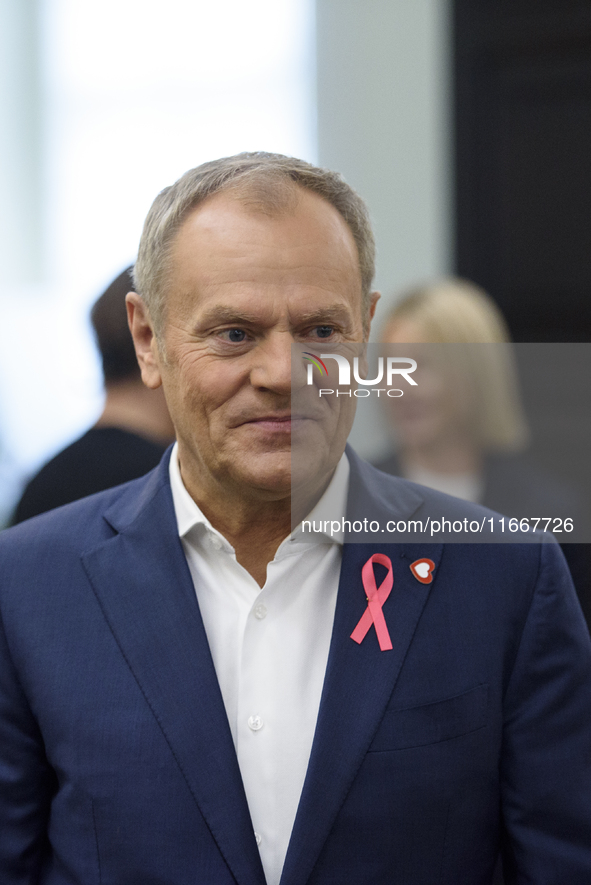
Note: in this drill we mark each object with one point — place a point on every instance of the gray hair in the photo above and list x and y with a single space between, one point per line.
267 182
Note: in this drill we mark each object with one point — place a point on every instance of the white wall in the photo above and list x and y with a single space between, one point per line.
20 143
384 122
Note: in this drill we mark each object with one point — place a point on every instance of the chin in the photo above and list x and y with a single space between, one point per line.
268 490
270 478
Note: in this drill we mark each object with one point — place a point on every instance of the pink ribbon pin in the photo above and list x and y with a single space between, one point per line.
376 597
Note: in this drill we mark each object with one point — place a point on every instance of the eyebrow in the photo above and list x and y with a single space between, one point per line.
231 316
318 317
227 315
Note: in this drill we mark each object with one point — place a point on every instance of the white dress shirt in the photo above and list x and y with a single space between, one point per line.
270 648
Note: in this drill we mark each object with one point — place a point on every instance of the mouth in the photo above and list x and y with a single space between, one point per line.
275 423
278 423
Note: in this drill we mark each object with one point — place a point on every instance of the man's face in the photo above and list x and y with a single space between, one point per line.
245 286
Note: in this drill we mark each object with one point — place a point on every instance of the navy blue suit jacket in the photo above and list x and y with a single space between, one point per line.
117 765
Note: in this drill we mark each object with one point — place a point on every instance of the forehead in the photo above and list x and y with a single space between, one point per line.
225 241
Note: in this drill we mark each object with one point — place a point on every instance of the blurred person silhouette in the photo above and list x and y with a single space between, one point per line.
464 431
131 433
451 436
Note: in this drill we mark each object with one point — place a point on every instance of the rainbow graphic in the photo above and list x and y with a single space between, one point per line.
316 361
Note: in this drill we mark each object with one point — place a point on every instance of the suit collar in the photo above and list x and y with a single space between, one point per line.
136 498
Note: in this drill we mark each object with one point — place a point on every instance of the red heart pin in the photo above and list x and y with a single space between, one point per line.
422 569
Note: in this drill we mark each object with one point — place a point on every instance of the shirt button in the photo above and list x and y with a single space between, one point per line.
260 611
258 838
255 723
215 542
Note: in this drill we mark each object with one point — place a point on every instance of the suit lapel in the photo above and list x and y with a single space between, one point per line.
358 684
144 587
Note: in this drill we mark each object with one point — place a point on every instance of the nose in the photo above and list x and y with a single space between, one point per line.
272 364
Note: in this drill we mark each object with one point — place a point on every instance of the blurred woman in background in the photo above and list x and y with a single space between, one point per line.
466 408
463 430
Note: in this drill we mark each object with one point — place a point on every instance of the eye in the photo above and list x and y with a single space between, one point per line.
324 331
236 336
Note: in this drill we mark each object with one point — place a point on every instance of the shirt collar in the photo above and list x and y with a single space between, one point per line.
331 506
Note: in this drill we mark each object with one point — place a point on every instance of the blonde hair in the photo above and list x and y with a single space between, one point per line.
456 311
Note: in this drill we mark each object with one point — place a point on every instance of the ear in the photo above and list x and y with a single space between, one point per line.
144 339
374 297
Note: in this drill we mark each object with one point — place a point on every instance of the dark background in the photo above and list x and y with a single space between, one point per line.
523 161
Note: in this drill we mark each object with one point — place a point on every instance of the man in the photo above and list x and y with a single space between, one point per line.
131 433
181 699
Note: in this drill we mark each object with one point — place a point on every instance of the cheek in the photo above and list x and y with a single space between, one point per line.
203 388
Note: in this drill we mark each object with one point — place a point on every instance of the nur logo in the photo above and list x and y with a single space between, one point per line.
394 366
